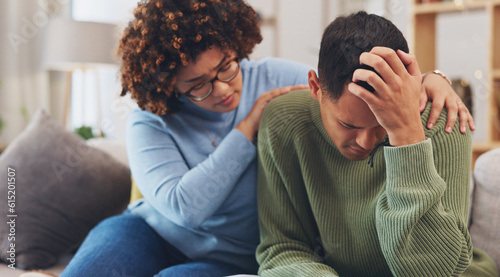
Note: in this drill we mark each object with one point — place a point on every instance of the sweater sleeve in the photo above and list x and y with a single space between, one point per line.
285 222
187 196
421 217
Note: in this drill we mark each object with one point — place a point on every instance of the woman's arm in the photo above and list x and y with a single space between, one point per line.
187 196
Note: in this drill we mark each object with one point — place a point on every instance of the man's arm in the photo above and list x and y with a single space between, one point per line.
422 215
286 223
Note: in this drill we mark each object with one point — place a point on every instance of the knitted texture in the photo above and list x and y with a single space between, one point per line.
322 214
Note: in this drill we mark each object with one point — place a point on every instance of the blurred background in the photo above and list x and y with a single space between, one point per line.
52 56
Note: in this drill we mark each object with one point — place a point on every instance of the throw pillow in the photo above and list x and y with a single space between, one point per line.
58 188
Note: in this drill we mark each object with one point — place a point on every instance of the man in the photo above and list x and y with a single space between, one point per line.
332 202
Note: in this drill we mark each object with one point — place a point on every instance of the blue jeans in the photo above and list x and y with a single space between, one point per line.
126 246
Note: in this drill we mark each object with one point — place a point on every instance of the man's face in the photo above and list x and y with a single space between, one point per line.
350 124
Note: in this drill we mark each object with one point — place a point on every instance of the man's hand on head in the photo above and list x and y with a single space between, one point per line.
395 102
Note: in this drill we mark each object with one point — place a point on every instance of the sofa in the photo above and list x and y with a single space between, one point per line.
100 166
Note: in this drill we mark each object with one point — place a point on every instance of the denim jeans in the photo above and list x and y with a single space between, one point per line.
126 246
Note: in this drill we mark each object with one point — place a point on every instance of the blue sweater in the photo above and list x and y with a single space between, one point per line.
201 198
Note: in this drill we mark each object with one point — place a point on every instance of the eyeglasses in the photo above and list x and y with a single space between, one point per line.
226 74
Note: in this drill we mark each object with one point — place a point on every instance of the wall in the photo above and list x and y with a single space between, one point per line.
26 86
101 87
462 52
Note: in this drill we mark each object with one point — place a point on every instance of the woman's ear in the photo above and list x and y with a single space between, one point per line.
314 84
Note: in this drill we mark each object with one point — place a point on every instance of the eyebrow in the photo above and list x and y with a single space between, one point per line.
348 125
202 76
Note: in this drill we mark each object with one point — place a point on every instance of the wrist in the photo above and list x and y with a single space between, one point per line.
406 136
247 130
438 73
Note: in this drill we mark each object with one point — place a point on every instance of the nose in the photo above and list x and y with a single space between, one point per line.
367 138
220 88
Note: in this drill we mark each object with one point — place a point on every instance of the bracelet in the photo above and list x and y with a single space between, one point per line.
440 73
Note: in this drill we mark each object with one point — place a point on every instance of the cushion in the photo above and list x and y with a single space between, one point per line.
485 226
135 194
114 148
59 188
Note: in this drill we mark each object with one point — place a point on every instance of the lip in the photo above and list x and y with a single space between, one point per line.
359 152
227 101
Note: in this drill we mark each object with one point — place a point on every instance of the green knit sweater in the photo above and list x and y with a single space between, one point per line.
322 214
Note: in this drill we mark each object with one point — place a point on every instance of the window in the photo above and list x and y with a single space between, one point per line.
95 91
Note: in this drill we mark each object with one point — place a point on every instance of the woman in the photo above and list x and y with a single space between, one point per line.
191 145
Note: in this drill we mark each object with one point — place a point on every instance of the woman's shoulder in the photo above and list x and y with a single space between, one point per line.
273 64
138 116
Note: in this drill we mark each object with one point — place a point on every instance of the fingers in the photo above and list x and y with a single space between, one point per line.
457 110
405 57
465 118
437 107
423 99
452 117
299 87
362 93
410 61
268 96
371 78
385 61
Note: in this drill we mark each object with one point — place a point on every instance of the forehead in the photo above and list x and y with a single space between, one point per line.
352 110
204 63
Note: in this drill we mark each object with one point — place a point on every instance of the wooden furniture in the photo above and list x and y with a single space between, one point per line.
424 17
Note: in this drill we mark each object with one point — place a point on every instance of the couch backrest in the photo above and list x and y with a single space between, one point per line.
485 224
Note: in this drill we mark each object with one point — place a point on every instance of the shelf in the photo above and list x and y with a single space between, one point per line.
424 19
452 6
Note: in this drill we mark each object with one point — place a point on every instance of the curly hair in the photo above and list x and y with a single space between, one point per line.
166 34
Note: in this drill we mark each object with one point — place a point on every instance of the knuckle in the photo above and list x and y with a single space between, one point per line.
439 105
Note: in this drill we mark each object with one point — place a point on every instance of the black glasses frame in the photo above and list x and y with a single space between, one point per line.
216 78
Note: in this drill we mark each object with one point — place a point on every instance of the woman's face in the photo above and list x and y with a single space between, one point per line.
225 96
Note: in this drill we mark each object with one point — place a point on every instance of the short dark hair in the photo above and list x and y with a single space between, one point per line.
343 42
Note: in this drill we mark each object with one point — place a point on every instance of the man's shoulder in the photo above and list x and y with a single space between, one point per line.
296 103
439 127
288 112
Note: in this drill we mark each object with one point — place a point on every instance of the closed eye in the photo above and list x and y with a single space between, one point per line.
226 67
348 126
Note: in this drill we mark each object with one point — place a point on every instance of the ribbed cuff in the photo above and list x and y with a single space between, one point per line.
411 164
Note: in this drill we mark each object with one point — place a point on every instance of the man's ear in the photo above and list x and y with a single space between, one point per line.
314 85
